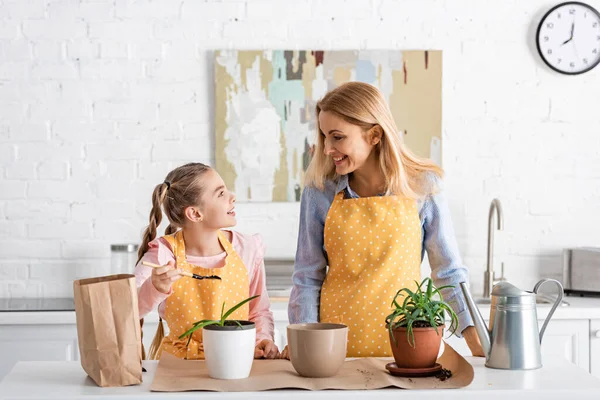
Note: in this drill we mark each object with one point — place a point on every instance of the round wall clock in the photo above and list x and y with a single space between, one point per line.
568 38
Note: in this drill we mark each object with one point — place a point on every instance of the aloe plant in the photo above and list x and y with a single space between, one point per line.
221 322
420 305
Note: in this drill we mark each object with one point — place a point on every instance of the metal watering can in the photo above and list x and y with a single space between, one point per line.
512 340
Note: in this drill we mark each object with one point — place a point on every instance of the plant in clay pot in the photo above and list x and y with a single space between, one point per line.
228 344
416 325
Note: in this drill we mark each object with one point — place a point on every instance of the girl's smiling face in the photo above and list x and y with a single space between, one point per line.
216 208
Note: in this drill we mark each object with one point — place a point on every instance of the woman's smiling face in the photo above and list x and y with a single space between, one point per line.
347 144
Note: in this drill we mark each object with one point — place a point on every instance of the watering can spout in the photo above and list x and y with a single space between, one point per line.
480 326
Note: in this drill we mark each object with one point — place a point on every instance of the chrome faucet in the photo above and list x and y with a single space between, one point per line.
488 280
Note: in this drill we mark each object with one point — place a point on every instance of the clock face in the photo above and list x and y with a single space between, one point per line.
568 38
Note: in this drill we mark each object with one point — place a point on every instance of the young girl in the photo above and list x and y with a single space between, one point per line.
198 206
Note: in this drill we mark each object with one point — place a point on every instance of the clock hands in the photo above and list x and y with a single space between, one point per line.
572 29
571 38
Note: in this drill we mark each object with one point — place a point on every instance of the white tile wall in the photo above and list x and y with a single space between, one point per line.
100 99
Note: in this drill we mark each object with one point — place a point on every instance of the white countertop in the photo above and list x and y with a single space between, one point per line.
67 380
580 308
279 309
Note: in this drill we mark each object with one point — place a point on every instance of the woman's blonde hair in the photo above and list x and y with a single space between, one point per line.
363 105
181 189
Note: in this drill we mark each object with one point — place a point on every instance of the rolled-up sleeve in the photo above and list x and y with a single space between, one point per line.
444 258
311 259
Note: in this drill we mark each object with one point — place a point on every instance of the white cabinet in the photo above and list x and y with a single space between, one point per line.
595 347
34 343
569 339
47 342
563 338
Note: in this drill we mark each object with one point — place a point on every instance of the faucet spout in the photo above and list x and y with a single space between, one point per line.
495 210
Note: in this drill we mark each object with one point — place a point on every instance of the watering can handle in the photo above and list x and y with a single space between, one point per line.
556 303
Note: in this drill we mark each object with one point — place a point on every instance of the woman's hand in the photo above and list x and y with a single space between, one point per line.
163 277
470 335
266 349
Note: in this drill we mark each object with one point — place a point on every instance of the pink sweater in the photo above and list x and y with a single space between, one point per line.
251 249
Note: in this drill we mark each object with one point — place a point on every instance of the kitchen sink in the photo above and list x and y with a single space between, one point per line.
540 299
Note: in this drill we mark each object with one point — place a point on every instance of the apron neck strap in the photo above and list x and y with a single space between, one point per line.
179 244
225 243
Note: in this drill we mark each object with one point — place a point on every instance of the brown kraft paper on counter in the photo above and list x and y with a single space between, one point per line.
108 329
177 375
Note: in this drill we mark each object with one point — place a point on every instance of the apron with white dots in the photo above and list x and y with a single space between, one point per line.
373 246
194 300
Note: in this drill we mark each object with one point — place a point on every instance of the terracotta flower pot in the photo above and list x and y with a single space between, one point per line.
425 351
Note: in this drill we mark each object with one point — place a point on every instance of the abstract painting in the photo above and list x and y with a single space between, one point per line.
265 110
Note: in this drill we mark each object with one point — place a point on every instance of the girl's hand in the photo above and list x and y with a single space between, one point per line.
163 277
266 349
285 354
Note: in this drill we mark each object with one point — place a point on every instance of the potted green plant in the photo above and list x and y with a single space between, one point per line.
416 325
228 344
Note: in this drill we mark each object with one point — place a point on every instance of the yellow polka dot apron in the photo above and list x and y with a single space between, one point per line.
373 246
194 300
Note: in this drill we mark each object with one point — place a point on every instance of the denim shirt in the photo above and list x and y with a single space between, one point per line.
437 235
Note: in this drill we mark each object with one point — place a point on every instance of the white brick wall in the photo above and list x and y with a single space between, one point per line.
100 99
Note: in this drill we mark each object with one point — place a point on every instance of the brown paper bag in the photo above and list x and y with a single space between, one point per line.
108 329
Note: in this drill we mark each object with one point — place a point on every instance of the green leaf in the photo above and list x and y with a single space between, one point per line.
419 291
222 318
232 309
429 286
394 302
417 312
196 326
438 291
409 333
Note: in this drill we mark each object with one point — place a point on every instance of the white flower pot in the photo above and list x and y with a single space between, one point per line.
229 350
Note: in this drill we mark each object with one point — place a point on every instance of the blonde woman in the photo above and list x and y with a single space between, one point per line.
369 210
